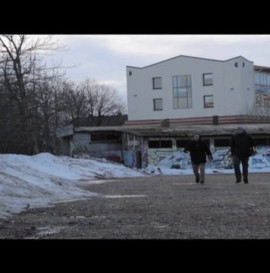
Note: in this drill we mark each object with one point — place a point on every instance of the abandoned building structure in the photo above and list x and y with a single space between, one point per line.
168 102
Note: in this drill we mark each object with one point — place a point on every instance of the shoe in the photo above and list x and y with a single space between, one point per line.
197 179
245 181
202 182
238 181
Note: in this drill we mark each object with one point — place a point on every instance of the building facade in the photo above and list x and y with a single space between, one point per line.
170 101
197 90
156 146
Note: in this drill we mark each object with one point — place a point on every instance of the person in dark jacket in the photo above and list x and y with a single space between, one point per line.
242 147
198 152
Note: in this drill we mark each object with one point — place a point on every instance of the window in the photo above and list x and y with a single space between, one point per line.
159 143
158 104
260 141
105 137
262 89
182 92
262 83
157 83
208 101
182 143
222 142
207 79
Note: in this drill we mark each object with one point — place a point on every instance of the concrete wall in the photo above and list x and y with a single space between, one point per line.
110 150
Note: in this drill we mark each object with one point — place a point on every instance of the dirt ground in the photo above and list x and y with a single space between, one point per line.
160 207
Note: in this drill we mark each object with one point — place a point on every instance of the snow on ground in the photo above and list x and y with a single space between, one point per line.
45 179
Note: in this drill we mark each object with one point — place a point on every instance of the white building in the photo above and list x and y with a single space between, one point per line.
191 90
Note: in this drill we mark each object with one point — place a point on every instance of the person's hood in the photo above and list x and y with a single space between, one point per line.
240 130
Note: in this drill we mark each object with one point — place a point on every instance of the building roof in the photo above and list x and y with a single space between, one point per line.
181 130
113 120
261 68
184 56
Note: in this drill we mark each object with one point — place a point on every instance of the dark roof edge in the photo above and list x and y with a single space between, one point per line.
263 68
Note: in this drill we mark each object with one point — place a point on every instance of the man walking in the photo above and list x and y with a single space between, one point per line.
198 151
242 147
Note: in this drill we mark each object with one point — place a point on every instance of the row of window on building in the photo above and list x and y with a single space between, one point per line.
182 92
183 81
184 102
262 82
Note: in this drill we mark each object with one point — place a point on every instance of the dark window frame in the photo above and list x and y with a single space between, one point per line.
182 143
157 144
204 80
154 83
222 142
204 102
155 106
106 137
182 92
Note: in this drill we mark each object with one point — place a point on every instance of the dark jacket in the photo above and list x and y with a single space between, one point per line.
241 144
198 151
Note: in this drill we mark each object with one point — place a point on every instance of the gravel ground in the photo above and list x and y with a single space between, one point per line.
160 207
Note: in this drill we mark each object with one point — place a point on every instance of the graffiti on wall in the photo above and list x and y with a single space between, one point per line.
129 158
222 159
168 158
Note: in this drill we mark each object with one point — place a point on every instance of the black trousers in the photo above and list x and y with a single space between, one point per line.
237 161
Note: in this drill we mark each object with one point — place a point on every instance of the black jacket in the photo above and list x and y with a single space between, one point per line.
241 144
198 151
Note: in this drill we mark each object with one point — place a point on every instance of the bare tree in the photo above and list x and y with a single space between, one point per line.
89 99
74 101
35 98
102 100
21 74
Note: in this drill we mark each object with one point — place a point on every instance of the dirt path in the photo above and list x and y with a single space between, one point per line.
161 207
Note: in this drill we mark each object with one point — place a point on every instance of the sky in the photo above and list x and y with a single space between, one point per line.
105 57
45 179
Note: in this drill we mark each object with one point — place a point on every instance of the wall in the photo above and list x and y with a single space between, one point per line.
171 159
132 147
129 158
109 150
65 146
230 82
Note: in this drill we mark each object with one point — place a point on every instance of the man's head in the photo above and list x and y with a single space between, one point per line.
196 137
239 130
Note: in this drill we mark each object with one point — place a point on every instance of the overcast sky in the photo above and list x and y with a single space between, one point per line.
105 57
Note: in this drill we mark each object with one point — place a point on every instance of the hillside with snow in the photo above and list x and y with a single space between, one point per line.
44 179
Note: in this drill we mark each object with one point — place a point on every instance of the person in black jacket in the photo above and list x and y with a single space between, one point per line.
198 151
242 147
